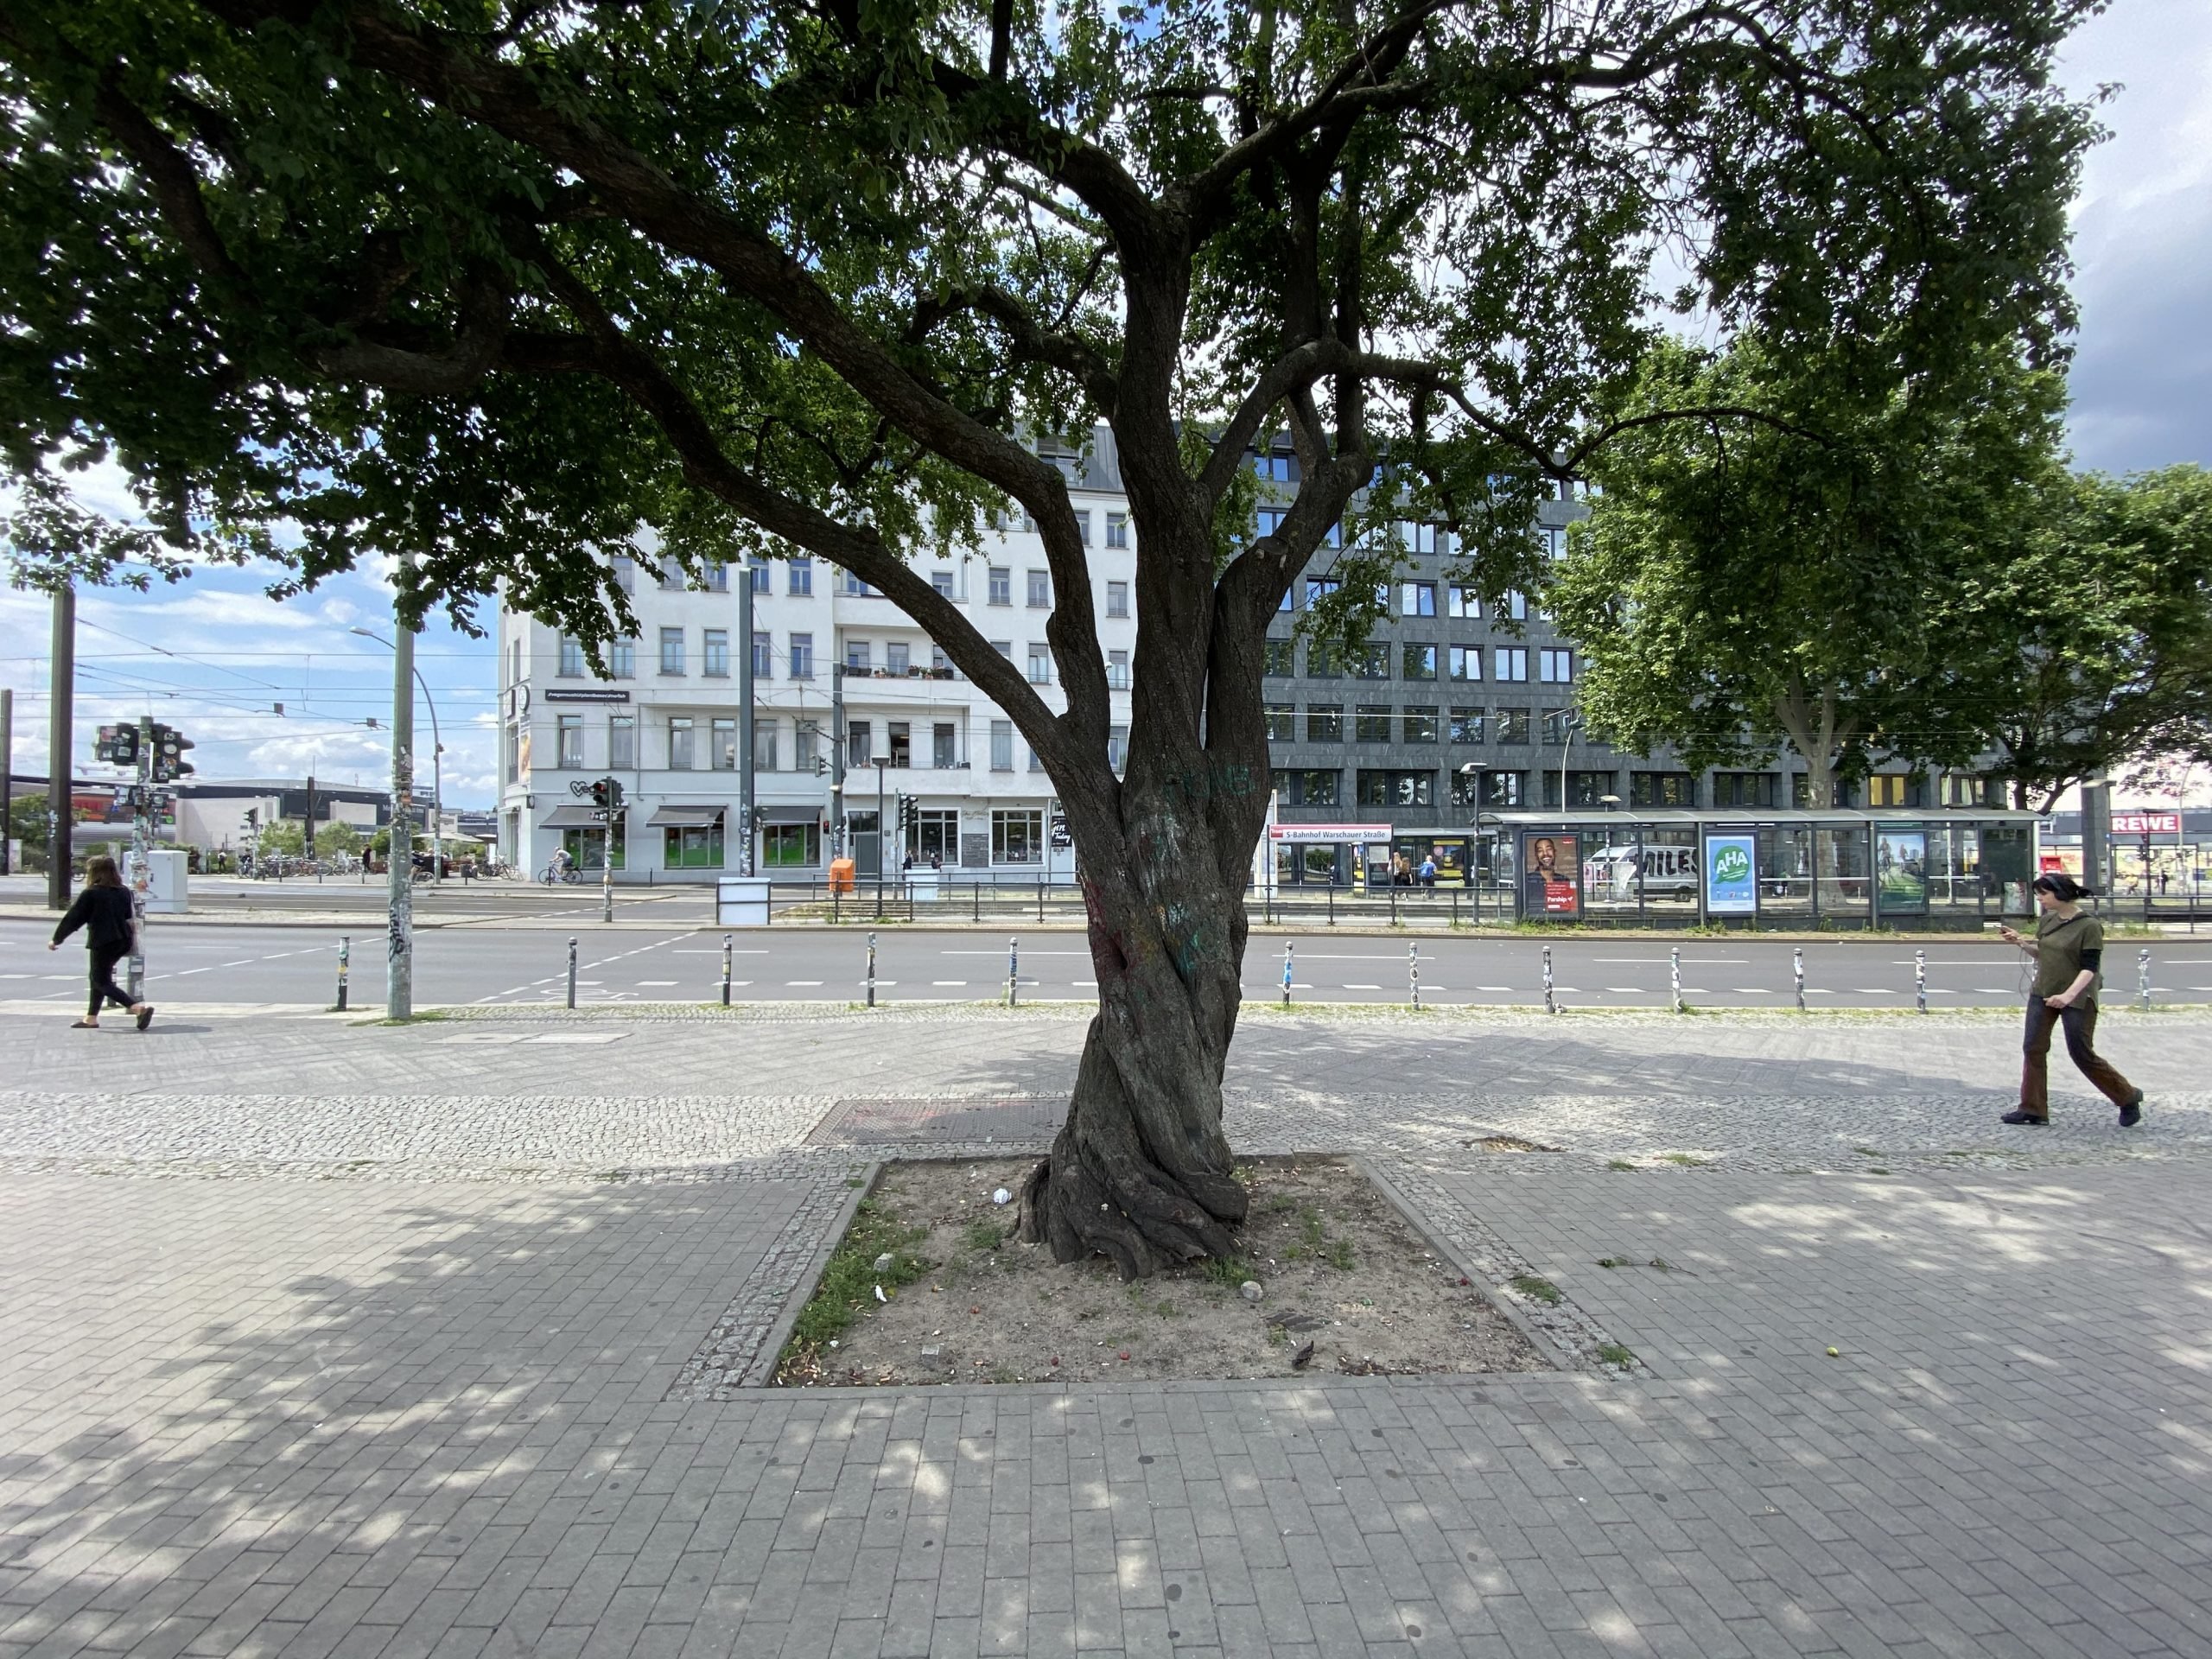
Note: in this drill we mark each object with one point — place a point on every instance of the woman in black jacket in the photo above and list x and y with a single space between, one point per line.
104 911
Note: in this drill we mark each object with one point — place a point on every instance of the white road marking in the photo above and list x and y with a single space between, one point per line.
954 984
1494 987
1362 988
801 982
643 982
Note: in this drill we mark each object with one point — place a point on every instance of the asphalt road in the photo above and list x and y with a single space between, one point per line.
298 965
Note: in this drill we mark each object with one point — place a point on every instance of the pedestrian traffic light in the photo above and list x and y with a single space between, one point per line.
910 814
170 747
598 793
117 745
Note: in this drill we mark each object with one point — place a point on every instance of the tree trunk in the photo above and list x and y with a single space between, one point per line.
1142 1170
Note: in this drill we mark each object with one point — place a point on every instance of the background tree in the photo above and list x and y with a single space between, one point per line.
283 839
501 282
1821 567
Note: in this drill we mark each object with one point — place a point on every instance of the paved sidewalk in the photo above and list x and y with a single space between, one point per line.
299 1357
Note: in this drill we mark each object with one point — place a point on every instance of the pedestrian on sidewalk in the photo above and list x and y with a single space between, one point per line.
104 911
2069 954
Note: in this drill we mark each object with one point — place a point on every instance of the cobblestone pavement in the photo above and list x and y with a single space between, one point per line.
376 1371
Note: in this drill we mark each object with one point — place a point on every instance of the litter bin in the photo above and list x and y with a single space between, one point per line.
840 875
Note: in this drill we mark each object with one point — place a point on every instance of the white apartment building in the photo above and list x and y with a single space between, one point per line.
666 723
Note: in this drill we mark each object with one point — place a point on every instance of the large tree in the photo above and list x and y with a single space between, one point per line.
499 282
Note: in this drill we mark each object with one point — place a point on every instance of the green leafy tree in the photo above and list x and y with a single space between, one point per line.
494 285
283 839
27 822
1812 568
337 839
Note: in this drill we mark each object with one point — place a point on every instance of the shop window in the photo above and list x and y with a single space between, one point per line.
790 846
1017 837
693 847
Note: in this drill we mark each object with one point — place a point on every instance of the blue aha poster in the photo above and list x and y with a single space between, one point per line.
1731 886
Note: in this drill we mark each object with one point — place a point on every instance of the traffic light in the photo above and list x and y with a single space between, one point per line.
598 793
613 794
821 767
910 814
253 817
117 745
170 747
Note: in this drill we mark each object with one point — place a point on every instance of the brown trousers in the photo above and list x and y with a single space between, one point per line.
2080 1023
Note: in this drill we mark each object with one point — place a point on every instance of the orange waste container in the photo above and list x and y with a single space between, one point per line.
840 875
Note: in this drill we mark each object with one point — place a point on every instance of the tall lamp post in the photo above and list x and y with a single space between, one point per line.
882 763
1473 770
437 753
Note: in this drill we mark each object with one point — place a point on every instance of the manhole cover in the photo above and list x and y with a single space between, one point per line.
1020 1119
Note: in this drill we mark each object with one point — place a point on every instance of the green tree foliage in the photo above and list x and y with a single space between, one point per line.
283 839
1812 569
26 821
499 284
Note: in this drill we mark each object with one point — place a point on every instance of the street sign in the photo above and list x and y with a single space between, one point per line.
1061 839
2147 824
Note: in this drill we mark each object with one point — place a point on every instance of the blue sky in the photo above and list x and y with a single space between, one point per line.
214 655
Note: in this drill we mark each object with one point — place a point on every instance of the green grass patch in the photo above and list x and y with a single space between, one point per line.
848 1283
1619 1163
1684 1159
1615 1262
1535 1289
1339 1255
1614 1353
1230 1270
983 1236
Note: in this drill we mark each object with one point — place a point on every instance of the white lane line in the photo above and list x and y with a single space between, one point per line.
1362 988
1633 990
1494 987
643 982
802 981
1874 990
1085 955
1753 990
950 984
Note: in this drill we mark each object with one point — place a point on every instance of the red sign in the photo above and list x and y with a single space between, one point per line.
2147 824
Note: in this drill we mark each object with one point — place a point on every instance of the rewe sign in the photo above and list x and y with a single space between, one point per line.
2147 824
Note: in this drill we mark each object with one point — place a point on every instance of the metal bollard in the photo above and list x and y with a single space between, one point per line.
725 970
1286 973
1413 971
1013 972
572 972
1041 901
1799 967
344 957
871 971
2143 978
1675 973
1551 1002
1920 979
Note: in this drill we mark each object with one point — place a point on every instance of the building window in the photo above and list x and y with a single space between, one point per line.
1559 724
1583 788
1036 760
1318 588
572 742
790 846
1555 665
1502 788
1463 601
1324 722
1466 725
764 654
1417 599
672 573
714 654
572 658
1465 663
1509 663
1281 658
765 758
1002 745
1516 606
1397 789
854 587
622 743
900 734
1372 723
1117 748
860 747
1117 529
1465 786
671 651
1513 726
1308 788
1017 837
1323 661
1674 788
944 740
1418 662
1040 664
1000 589
693 847
622 659
858 653
897 660
1117 671
804 754
1432 539
941 666
1040 590
1419 725
625 573
1282 721
800 584
1373 662
802 648
1752 789
1967 789
757 569
1885 790
679 744
722 746
513 746
1117 599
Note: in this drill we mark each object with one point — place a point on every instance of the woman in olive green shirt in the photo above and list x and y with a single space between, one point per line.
2069 952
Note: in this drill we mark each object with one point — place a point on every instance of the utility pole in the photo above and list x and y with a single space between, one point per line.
61 689
142 839
882 835
310 837
837 757
744 715
399 944
7 775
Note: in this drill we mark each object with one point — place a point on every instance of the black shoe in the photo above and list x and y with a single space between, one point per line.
145 1015
2131 1113
2016 1116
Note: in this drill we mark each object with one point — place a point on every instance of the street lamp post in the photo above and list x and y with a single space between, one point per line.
1570 725
437 755
882 763
1474 769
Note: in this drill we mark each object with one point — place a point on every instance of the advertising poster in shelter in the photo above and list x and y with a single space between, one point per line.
1731 879
1901 869
1549 890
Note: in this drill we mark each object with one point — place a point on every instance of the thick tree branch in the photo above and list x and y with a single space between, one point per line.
1031 341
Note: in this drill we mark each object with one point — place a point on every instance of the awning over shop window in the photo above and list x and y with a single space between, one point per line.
684 817
787 814
571 818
